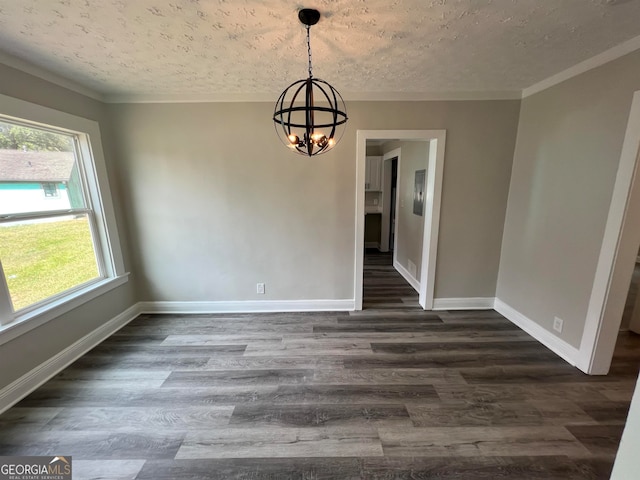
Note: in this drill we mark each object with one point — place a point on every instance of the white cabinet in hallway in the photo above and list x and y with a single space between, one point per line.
373 175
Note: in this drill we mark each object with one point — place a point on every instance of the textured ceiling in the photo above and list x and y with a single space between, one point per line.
203 47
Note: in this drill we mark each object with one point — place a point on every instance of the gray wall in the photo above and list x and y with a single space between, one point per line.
33 348
410 227
566 158
217 204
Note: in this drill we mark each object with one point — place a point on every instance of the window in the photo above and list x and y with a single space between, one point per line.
50 188
60 247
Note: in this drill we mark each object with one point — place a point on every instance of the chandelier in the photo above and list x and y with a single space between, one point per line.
310 114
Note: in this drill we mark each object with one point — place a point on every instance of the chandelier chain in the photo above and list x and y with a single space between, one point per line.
309 51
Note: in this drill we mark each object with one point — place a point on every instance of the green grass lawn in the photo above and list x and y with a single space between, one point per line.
43 259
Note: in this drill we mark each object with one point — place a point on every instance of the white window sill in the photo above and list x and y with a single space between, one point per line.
46 313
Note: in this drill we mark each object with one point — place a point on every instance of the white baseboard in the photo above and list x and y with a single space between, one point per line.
464 303
20 388
407 276
248 306
566 351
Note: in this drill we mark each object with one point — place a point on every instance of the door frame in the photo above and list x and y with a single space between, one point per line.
385 222
435 168
618 252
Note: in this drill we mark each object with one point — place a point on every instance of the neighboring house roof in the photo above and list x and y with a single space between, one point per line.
21 166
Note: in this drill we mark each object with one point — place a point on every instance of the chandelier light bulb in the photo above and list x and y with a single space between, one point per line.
294 139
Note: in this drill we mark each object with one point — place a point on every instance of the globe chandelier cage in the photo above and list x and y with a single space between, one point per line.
310 115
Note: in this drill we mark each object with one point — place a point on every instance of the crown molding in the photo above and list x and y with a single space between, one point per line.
433 96
349 96
31 69
191 98
584 66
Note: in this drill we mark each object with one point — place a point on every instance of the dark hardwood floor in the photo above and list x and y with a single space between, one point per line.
391 392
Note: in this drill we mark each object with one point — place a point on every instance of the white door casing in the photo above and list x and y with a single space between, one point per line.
436 139
617 256
386 198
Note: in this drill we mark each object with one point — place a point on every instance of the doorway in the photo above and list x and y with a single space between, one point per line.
433 191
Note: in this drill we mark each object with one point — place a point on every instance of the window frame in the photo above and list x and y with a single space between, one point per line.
101 218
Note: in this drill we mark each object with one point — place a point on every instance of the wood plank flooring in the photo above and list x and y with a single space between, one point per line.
391 392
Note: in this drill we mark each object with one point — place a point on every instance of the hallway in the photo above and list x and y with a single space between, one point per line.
384 287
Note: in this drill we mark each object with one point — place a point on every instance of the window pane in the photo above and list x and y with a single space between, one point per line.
42 258
38 170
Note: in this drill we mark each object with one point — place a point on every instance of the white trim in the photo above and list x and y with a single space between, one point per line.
593 62
464 303
435 171
20 388
617 255
348 96
193 98
358 268
436 139
47 75
99 191
26 67
48 312
396 238
582 67
248 306
385 219
93 160
561 348
6 308
106 238
406 275
432 96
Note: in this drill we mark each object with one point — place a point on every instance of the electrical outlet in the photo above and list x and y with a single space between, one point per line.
557 324
375 201
260 288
